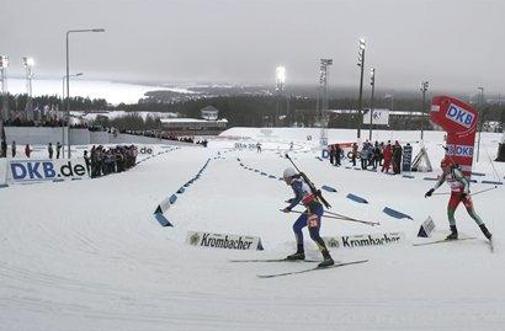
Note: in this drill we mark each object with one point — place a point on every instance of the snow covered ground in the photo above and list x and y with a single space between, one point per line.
89 255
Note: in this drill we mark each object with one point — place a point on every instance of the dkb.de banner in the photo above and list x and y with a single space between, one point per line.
25 171
459 120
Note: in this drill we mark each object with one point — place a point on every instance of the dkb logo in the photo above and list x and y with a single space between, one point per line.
460 116
31 171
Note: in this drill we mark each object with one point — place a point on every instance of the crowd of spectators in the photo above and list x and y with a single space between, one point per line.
372 156
48 123
102 161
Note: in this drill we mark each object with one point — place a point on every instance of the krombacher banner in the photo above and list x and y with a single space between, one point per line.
226 241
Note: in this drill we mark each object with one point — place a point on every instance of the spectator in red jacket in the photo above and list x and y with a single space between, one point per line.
388 155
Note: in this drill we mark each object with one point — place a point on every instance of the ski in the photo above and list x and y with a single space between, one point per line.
442 241
272 260
337 265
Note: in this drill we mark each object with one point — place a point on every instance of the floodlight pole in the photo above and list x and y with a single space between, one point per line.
28 64
280 80
361 64
323 88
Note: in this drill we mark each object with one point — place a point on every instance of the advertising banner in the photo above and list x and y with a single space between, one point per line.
459 120
227 241
407 158
26 171
365 240
380 117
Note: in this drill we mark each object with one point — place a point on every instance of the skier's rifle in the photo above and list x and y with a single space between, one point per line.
313 188
342 218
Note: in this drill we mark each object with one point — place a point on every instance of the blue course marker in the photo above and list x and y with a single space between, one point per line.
328 188
173 198
395 213
430 178
356 198
181 190
162 219
408 176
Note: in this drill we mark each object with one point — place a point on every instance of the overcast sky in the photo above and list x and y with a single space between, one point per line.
456 45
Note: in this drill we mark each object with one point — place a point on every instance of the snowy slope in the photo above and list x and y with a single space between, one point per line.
88 255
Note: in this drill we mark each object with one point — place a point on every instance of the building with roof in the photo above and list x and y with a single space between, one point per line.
209 124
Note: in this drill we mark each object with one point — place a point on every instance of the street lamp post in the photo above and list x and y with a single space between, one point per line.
63 79
68 75
361 64
372 83
481 119
424 88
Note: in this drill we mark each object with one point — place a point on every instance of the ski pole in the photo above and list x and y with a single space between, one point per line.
339 218
472 194
344 217
486 190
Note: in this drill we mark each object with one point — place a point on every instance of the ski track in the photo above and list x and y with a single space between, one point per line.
88 255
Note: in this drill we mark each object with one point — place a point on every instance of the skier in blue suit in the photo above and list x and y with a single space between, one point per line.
311 217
